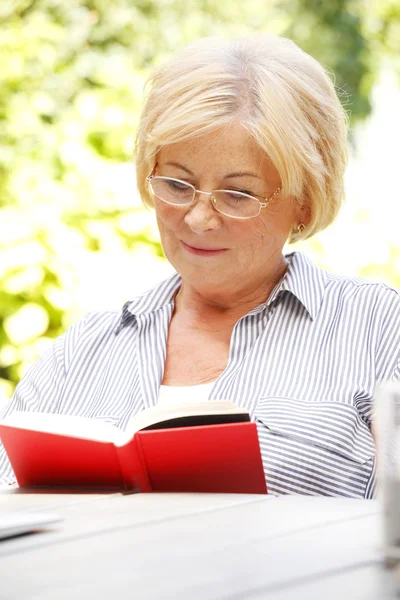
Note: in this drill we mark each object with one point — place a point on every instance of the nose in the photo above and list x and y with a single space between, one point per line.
201 216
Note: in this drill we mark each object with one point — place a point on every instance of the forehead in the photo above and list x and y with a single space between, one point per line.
229 148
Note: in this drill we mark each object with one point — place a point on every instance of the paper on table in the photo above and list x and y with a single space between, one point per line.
17 523
387 426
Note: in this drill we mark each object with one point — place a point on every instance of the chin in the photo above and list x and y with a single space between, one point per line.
208 284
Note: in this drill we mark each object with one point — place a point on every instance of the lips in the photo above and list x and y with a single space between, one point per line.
203 251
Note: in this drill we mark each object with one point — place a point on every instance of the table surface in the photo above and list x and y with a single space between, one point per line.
195 546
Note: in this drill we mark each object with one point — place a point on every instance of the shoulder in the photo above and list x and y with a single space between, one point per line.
91 325
362 286
371 297
369 308
345 287
326 295
94 322
106 323
363 313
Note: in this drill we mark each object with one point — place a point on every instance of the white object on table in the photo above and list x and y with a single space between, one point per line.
17 523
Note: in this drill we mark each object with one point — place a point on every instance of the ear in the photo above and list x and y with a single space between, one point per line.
303 214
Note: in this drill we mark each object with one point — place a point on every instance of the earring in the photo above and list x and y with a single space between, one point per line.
300 228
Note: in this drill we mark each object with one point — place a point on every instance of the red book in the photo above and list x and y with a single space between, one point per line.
203 447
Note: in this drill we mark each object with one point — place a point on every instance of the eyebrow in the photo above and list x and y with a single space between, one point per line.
241 174
174 164
230 176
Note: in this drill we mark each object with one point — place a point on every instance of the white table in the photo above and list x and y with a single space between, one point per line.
195 546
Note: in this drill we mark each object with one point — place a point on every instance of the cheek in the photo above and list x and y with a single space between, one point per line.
258 243
275 225
168 217
168 225
254 234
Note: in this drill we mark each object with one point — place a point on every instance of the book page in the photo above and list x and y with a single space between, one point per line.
158 414
94 429
80 427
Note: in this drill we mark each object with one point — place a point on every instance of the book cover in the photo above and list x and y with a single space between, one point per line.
166 455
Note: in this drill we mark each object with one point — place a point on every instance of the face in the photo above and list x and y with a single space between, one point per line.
213 253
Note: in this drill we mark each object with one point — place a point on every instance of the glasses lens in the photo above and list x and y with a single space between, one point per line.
172 191
236 204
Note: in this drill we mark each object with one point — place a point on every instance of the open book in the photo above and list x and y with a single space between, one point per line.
198 447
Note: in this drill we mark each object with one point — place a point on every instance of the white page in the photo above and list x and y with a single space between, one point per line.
95 429
80 427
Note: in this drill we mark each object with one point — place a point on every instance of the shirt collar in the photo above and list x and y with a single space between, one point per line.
303 279
150 301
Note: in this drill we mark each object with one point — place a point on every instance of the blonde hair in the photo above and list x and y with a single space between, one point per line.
281 95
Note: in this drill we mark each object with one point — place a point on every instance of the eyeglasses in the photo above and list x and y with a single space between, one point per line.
230 203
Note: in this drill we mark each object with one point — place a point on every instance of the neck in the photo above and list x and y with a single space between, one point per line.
206 304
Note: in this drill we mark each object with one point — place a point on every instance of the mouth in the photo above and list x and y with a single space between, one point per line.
204 251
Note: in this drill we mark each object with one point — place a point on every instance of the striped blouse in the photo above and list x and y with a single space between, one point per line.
305 364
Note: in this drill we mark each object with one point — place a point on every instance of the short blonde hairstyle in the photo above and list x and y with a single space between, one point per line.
282 96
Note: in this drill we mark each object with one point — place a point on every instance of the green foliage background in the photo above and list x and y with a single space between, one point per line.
71 77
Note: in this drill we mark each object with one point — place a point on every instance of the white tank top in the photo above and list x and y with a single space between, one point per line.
174 394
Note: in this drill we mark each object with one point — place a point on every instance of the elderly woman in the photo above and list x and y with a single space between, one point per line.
241 147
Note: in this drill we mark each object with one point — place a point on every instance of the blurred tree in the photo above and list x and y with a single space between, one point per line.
71 76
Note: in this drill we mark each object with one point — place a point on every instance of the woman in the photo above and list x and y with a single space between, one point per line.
241 147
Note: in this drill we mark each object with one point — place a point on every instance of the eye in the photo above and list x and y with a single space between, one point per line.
177 186
233 197
248 192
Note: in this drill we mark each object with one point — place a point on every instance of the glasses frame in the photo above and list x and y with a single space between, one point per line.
213 200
